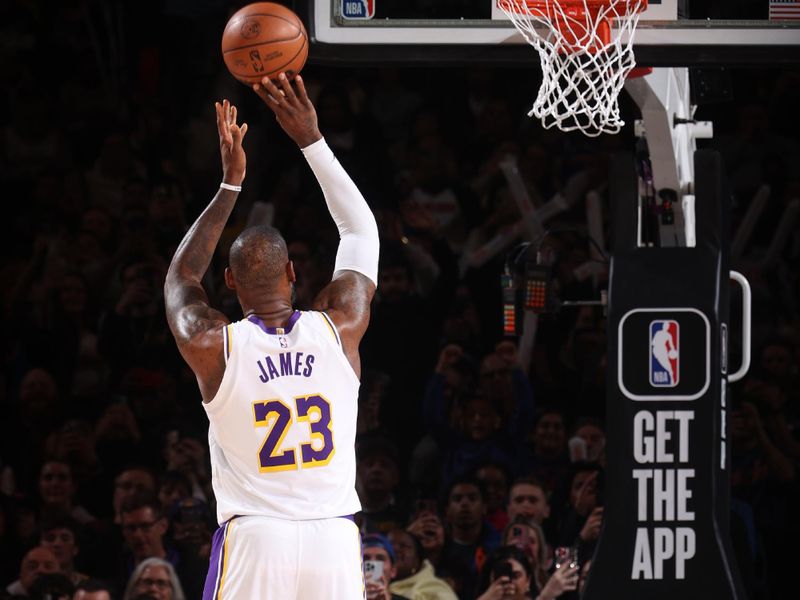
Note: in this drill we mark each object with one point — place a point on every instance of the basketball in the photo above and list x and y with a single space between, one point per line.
264 39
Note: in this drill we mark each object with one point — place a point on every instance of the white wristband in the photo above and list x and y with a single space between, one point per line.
228 186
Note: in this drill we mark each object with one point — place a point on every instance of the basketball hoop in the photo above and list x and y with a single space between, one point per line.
586 52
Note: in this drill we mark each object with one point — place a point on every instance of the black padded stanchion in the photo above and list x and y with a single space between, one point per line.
666 518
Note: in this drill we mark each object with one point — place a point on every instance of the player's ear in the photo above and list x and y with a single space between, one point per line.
290 274
229 281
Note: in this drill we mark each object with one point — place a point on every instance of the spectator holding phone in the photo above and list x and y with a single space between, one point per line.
429 529
379 567
508 575
529 537
37 562
588 442
581 521
525 534
565 575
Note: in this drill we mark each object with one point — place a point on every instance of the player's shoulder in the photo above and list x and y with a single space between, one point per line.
324 324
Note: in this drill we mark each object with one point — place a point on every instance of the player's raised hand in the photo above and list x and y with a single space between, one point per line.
234 160
293 109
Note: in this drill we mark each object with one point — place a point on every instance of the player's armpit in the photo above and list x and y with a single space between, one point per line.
198 330
201 345
188 311
347 300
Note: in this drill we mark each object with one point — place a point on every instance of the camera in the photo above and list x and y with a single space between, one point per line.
503 569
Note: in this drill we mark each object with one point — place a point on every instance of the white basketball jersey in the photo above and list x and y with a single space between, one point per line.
282 426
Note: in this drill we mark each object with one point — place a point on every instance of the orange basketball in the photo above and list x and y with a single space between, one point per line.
264 39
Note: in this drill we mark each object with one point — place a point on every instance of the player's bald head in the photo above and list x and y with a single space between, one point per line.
258 256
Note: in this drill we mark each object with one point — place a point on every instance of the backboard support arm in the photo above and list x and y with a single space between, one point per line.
668 126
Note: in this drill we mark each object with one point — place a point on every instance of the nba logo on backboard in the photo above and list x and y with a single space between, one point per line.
664 353
358 9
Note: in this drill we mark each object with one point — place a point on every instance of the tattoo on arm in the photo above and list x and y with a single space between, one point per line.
195 251
187 306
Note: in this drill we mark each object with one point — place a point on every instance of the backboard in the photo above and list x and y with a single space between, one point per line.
670 33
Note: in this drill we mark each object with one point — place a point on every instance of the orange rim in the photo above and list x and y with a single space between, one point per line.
580 5
568 20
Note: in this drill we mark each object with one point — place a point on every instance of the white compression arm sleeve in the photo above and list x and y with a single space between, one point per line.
358 232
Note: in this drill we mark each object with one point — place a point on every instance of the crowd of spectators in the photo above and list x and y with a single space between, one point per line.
108 151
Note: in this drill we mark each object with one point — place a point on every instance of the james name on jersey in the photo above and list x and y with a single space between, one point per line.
288 363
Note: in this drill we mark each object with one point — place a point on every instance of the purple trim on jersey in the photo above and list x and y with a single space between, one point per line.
216 562
348 517
274 330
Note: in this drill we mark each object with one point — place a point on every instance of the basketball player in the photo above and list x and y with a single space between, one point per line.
280 386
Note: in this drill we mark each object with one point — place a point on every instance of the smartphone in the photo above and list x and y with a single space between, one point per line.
520 537
373 571
566 556
577 449
503 569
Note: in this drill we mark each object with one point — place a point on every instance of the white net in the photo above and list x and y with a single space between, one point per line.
586 52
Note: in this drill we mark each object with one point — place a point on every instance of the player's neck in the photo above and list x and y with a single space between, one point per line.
273 314
272 305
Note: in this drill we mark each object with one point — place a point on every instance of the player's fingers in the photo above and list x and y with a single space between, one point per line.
233 115
222 125
261 92
302 94
238 132
218 112
272 90
271 102
286 87
277 99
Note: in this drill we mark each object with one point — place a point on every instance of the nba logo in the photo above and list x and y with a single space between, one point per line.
664 353
358 9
